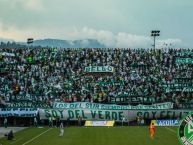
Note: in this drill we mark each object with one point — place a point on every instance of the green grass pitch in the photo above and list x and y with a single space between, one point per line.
135 135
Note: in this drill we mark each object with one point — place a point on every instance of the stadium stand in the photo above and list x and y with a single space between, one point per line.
141 76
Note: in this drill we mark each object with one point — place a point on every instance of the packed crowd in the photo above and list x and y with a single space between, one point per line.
50 74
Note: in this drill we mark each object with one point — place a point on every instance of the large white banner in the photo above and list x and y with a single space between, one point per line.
85 114
116 115
88 105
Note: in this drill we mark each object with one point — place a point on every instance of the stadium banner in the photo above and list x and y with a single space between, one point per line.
8 54
88 105
18 112
132 99
184 84
116 115
184 54
112 83
184 60
99 69
99 123
26 104
150 114
165 122
144 99
185 89
183 80
85 114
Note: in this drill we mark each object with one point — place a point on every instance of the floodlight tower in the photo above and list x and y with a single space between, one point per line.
154 34
29 41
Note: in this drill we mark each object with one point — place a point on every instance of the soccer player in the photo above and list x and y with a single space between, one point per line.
61 129
79 121
35 122
5 122
152 131
123 119
50 122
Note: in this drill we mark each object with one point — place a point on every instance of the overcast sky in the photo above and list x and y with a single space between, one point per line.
118 23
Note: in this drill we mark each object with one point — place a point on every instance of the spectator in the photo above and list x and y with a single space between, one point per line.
46 75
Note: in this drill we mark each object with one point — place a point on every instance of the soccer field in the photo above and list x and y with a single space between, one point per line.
94 136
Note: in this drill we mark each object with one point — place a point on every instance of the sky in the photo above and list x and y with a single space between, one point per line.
115 23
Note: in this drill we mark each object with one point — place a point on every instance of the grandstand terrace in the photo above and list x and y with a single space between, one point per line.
120 76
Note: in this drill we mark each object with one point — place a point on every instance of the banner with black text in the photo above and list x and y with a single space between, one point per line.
116 115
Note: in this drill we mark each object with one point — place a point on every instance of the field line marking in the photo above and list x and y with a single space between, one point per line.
16 140
170 129
36 136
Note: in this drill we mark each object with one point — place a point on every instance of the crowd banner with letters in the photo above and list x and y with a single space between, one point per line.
111 83
174 89
99 69
26 104
8 54
184 60
165 122
85 114
183 80
116 115
139 99
184 54
131 98
185 85
18 112
150 114
93 106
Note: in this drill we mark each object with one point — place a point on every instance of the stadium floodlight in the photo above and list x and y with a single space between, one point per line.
154 34
29 41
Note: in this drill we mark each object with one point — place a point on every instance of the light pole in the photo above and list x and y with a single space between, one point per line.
154 34
29 41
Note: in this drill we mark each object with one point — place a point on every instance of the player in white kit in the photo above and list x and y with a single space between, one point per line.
61 129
